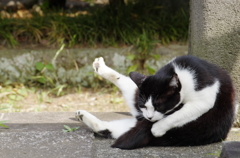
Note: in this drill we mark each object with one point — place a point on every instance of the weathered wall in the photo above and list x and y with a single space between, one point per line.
215 34
74 66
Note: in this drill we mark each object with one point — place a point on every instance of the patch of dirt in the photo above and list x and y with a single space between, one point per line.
40 101
89 101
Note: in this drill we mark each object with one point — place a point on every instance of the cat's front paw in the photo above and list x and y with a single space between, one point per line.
157 130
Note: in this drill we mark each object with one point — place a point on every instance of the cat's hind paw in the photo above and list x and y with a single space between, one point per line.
91 121
79 115
98 65
103 70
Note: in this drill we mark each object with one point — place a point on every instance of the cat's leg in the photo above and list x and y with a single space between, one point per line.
113 129
124 83
137 137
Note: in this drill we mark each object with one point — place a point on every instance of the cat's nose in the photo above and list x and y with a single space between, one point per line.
150 118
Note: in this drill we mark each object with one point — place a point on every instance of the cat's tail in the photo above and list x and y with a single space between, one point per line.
137 137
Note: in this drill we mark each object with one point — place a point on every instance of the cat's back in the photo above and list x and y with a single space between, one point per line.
203 72
194 63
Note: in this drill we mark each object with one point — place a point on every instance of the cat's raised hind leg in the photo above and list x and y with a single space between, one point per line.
111 129
124 83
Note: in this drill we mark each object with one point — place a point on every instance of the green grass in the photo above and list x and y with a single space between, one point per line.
217 153
101 26
2 122
69 129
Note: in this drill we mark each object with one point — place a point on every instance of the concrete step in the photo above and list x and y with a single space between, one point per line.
33 135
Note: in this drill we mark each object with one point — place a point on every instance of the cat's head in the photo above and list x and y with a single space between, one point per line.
157 95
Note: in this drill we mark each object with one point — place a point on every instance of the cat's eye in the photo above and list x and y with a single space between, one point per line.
142 106
157 108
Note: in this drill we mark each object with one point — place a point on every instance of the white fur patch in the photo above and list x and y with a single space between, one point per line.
119 127
128 89
150 113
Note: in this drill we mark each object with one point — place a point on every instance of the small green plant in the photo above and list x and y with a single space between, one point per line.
144 50
3 125
41 67
41 77
139 63
69 129
2 122
217 153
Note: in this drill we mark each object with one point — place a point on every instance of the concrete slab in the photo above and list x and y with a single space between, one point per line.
50 144
102 149
40 135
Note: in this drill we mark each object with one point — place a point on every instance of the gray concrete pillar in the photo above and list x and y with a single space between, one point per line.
214 34
230 149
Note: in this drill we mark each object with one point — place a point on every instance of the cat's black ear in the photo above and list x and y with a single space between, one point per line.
174 82
137 78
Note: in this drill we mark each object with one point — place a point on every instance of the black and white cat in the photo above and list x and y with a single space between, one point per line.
187 102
